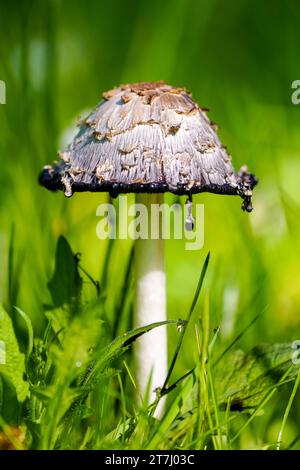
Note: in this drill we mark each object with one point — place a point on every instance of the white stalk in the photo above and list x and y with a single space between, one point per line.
150 351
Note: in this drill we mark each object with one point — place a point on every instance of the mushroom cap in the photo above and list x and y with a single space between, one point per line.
148 137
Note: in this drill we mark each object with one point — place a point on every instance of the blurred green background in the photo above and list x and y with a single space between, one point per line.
239 59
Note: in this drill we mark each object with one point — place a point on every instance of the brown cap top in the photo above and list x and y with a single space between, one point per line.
148 137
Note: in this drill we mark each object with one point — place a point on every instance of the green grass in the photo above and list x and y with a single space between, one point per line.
228 389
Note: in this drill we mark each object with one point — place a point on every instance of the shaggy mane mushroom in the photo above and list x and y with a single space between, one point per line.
148 138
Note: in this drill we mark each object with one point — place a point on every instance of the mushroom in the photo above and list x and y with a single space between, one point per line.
148 138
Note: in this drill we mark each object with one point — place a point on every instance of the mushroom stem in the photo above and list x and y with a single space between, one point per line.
150 351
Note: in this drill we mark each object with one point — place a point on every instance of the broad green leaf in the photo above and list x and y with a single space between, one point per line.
9 406
29 330
66 283
12 362
246 378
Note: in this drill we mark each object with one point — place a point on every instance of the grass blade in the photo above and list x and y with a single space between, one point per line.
29 331
237 338
195 299
287 411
